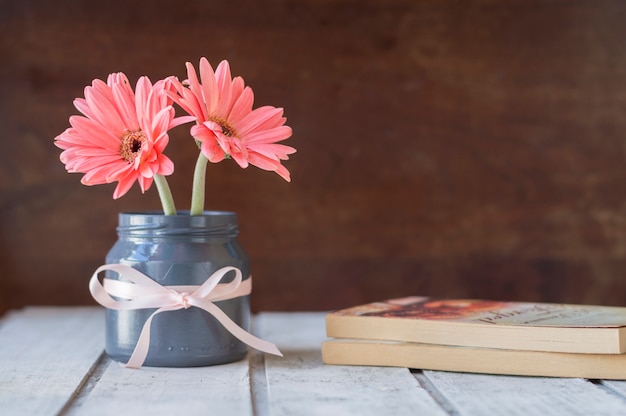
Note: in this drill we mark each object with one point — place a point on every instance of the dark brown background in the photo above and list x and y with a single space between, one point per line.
448 148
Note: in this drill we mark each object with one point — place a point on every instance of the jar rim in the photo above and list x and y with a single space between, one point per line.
179 213
156 224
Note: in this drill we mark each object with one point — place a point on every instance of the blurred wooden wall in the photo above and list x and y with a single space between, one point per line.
449 148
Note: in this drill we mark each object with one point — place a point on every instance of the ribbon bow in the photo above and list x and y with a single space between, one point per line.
142 293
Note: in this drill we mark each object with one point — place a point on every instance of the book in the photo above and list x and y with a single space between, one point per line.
473 360
487 324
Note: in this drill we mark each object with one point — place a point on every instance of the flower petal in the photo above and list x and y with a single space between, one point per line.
226 121
94 144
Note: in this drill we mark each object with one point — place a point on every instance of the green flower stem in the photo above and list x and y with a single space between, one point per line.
167 201
197 193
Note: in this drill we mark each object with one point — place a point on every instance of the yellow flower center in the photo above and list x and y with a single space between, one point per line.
131 145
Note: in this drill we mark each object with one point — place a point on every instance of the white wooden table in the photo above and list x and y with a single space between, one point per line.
52 363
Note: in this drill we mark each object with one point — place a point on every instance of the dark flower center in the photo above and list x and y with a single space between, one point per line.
227 129
131 145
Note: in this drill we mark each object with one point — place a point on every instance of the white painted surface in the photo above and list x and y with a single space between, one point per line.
618 387
479 394
300 384
51 363
217 390
45 355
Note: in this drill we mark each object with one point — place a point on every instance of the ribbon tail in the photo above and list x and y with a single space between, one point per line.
236 330
140 352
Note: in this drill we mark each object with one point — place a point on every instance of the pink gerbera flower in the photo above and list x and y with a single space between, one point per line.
122 136
227 126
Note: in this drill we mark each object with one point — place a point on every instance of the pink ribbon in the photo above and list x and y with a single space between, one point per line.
141 292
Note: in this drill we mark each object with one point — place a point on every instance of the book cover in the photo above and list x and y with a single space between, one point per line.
485 323
473 360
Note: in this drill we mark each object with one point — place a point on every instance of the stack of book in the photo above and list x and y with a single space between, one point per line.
479 336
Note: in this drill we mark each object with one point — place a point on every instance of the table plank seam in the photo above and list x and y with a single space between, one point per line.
607 386
87 384
258 383
435 393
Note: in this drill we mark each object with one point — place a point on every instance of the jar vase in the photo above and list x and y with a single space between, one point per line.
179 250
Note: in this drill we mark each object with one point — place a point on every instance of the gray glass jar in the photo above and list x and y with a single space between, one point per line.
179 250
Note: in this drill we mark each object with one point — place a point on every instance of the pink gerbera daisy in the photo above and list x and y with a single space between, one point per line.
122 135
227 126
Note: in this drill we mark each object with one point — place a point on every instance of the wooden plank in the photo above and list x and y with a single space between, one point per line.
217 390
480 394
45 356
509 168
616 386
300 384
